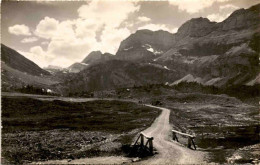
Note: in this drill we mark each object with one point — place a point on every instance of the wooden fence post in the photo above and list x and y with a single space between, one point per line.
193 144
142 139
190 138
151 145
174 136
137 140
148 142
189 142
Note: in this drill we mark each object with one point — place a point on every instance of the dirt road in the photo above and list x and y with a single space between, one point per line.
169 152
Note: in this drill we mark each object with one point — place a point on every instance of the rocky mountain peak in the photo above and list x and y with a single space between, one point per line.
97 56
92 56
162 39
196 27
242 18
144 45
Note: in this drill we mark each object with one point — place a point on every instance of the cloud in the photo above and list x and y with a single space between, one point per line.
108 13
96 28
37 50
217 17
174 30
45 43
47 28
19 30
224 12
155 27
144 19
228 7
193 6
74 49
29 40
111 39
38 56
68 39
44 58
86 27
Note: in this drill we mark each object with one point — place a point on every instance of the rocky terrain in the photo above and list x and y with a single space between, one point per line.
219 54
92 58
215 53
206 75
116 74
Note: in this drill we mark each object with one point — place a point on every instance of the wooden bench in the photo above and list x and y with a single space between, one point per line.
190 138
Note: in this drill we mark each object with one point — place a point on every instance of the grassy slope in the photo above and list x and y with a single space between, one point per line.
42 130
15 78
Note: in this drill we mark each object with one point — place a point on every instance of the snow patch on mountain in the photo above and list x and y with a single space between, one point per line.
189 60
213 81
165 67
49 91
206 59
84 64
188 78
126 49
151 49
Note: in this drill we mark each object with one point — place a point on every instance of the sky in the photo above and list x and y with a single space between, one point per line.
61 33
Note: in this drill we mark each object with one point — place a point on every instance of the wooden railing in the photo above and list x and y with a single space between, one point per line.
190 138
149 142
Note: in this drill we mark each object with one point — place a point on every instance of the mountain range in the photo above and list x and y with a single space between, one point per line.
210 53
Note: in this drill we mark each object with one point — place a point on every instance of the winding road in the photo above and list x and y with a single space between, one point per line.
168 151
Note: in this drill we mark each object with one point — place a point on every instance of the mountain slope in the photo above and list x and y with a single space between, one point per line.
221 54
77 67
97 56
117 74
144 45
226 51
16 61
18 72
92 58
53 68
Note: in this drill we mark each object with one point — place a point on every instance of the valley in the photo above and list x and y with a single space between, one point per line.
218 121
202 80
45 131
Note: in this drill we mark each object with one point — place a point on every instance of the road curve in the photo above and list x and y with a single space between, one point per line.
168 151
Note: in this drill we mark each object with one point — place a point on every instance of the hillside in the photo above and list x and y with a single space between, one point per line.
92 58
18 72
17 61
117 74
220 54
97 56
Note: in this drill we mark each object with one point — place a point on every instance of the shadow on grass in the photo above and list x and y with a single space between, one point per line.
35 130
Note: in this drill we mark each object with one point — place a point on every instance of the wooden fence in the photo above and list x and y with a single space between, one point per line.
190 138
148 145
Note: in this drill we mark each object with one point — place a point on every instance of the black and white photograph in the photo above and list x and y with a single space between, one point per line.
130 82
